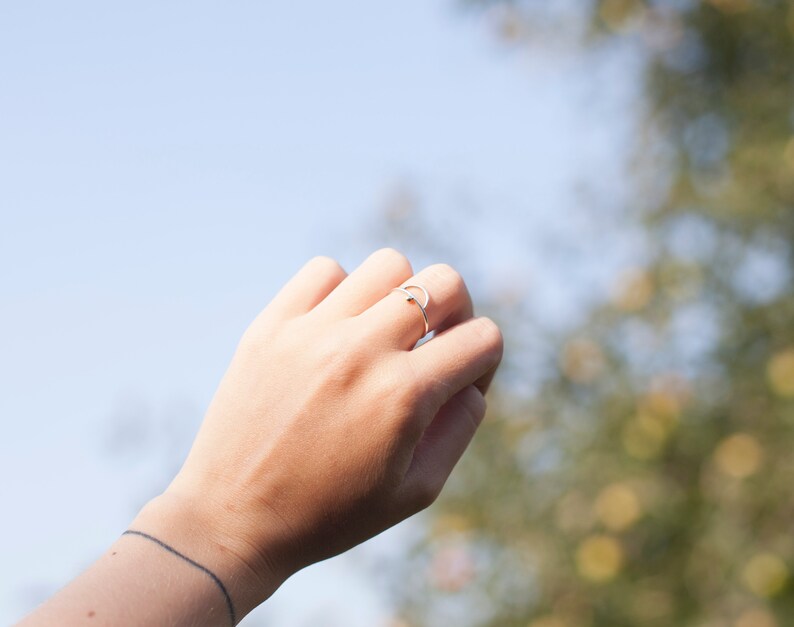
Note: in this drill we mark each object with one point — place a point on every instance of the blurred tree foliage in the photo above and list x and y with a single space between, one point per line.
649 481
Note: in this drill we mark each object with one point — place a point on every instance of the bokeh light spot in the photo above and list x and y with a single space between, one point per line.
618 507
765 574
780 373
599 558
739 455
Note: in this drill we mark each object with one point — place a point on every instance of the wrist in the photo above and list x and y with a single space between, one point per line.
191 528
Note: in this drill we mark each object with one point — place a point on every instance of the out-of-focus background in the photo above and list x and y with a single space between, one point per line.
615 180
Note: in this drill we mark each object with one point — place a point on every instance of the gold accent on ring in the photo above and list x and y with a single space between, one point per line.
410 297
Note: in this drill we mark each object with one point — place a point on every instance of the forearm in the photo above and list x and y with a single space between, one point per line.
168 569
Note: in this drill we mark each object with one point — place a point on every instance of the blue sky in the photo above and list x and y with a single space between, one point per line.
166 166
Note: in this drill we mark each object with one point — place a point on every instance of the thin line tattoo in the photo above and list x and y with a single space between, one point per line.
204 569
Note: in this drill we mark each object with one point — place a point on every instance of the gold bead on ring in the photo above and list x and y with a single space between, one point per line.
410 297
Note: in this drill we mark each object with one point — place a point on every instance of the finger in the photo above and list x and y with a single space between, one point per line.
466 354
401 324
310 285
367 284
441 446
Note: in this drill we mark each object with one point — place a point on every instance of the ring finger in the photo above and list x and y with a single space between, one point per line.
401 323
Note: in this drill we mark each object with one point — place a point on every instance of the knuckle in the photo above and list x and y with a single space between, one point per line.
426 494
325 264
491 336
446 275
394 257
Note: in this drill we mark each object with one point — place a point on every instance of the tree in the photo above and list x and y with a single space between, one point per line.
649 480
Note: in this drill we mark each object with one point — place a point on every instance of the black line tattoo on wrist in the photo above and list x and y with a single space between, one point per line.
204 569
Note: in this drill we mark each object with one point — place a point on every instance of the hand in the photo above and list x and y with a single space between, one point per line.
327 427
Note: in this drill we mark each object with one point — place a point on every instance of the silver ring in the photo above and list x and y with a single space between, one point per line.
410 297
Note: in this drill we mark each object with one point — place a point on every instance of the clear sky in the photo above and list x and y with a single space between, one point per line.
166 166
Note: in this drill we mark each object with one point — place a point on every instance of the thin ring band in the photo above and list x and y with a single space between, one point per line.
410 297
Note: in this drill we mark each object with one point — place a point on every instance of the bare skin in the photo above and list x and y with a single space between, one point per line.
326 429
